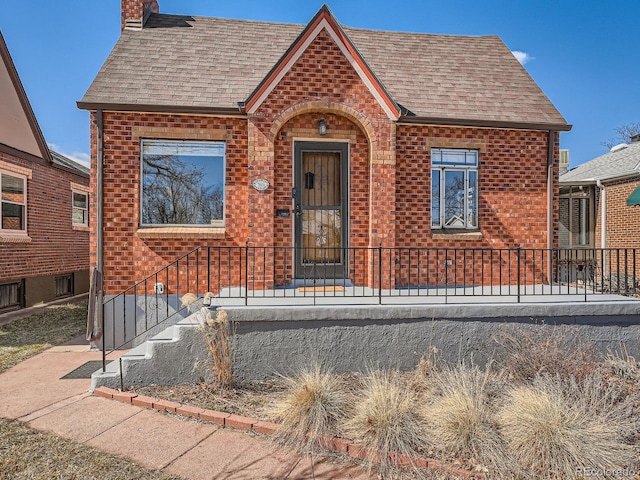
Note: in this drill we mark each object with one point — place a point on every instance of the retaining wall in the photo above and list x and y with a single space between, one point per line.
270 341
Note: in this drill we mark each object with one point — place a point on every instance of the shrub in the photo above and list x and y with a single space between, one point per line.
554 428
622 365
310 409
385 418
460 418
545 350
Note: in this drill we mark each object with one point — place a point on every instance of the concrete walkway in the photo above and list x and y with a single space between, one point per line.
33 392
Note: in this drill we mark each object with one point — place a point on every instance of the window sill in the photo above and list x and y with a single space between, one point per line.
181 232
81 228
456 235
8 238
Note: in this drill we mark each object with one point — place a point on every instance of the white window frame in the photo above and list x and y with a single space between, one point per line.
22 232
86 210
214 223
440 170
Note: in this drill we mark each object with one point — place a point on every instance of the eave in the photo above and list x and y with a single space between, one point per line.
24 101
603 179
502 124
177 109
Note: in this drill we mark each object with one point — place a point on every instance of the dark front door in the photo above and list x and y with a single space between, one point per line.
321 214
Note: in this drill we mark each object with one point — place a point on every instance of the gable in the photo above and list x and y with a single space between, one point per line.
19 129
323 22
321 74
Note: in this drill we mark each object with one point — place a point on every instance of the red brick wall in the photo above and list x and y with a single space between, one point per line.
512 200
128 258
623 222
512 203
623 227
55 247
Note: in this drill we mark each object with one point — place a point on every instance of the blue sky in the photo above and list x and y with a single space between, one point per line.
584 54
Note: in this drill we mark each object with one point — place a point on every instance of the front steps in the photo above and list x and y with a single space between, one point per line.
176 355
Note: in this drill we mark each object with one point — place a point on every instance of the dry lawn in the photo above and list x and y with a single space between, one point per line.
28 336
29 454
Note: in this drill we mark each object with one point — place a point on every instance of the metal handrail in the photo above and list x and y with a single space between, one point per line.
242 273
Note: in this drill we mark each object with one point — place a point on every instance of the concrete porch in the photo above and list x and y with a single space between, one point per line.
273 338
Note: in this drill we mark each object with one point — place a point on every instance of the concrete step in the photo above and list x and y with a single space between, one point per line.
166 358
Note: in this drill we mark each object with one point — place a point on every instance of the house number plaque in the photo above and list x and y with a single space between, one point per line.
260 184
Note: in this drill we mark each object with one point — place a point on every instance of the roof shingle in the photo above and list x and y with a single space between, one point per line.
609 166
200 62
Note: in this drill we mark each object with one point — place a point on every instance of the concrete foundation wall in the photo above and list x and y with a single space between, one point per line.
270 341
42 289
263 348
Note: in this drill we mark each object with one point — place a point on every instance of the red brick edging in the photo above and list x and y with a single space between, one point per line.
238 422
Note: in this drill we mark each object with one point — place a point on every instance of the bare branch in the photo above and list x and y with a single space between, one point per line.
623 135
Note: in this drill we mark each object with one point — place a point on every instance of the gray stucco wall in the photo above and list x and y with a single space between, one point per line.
270 341
263 348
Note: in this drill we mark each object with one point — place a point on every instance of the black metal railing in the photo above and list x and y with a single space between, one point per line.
251 275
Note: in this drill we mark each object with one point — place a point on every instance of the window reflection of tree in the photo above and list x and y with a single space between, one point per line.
454 200
175 193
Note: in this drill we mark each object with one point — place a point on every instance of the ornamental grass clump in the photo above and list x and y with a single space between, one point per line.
460 417
556 428
310 409
386 419
218 333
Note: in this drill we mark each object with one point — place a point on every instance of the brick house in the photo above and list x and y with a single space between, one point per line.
323 140
44 232
599 205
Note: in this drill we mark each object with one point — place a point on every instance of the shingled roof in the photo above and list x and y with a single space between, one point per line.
619 163
183 63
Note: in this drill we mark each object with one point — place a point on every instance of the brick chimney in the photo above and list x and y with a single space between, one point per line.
136 12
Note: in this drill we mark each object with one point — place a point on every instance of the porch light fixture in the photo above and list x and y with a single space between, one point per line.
322 127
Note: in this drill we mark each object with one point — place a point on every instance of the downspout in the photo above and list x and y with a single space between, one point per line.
550 185
99 194
603 224
99 228
550 198
603 214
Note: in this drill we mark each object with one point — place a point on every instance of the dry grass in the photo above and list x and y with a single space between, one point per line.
249 399
622 365
554 428
461 419
385 417
28 336
545 350
218 336
310 409
29 454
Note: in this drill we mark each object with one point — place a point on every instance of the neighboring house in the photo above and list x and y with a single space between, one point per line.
219 132
44 229
600 201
